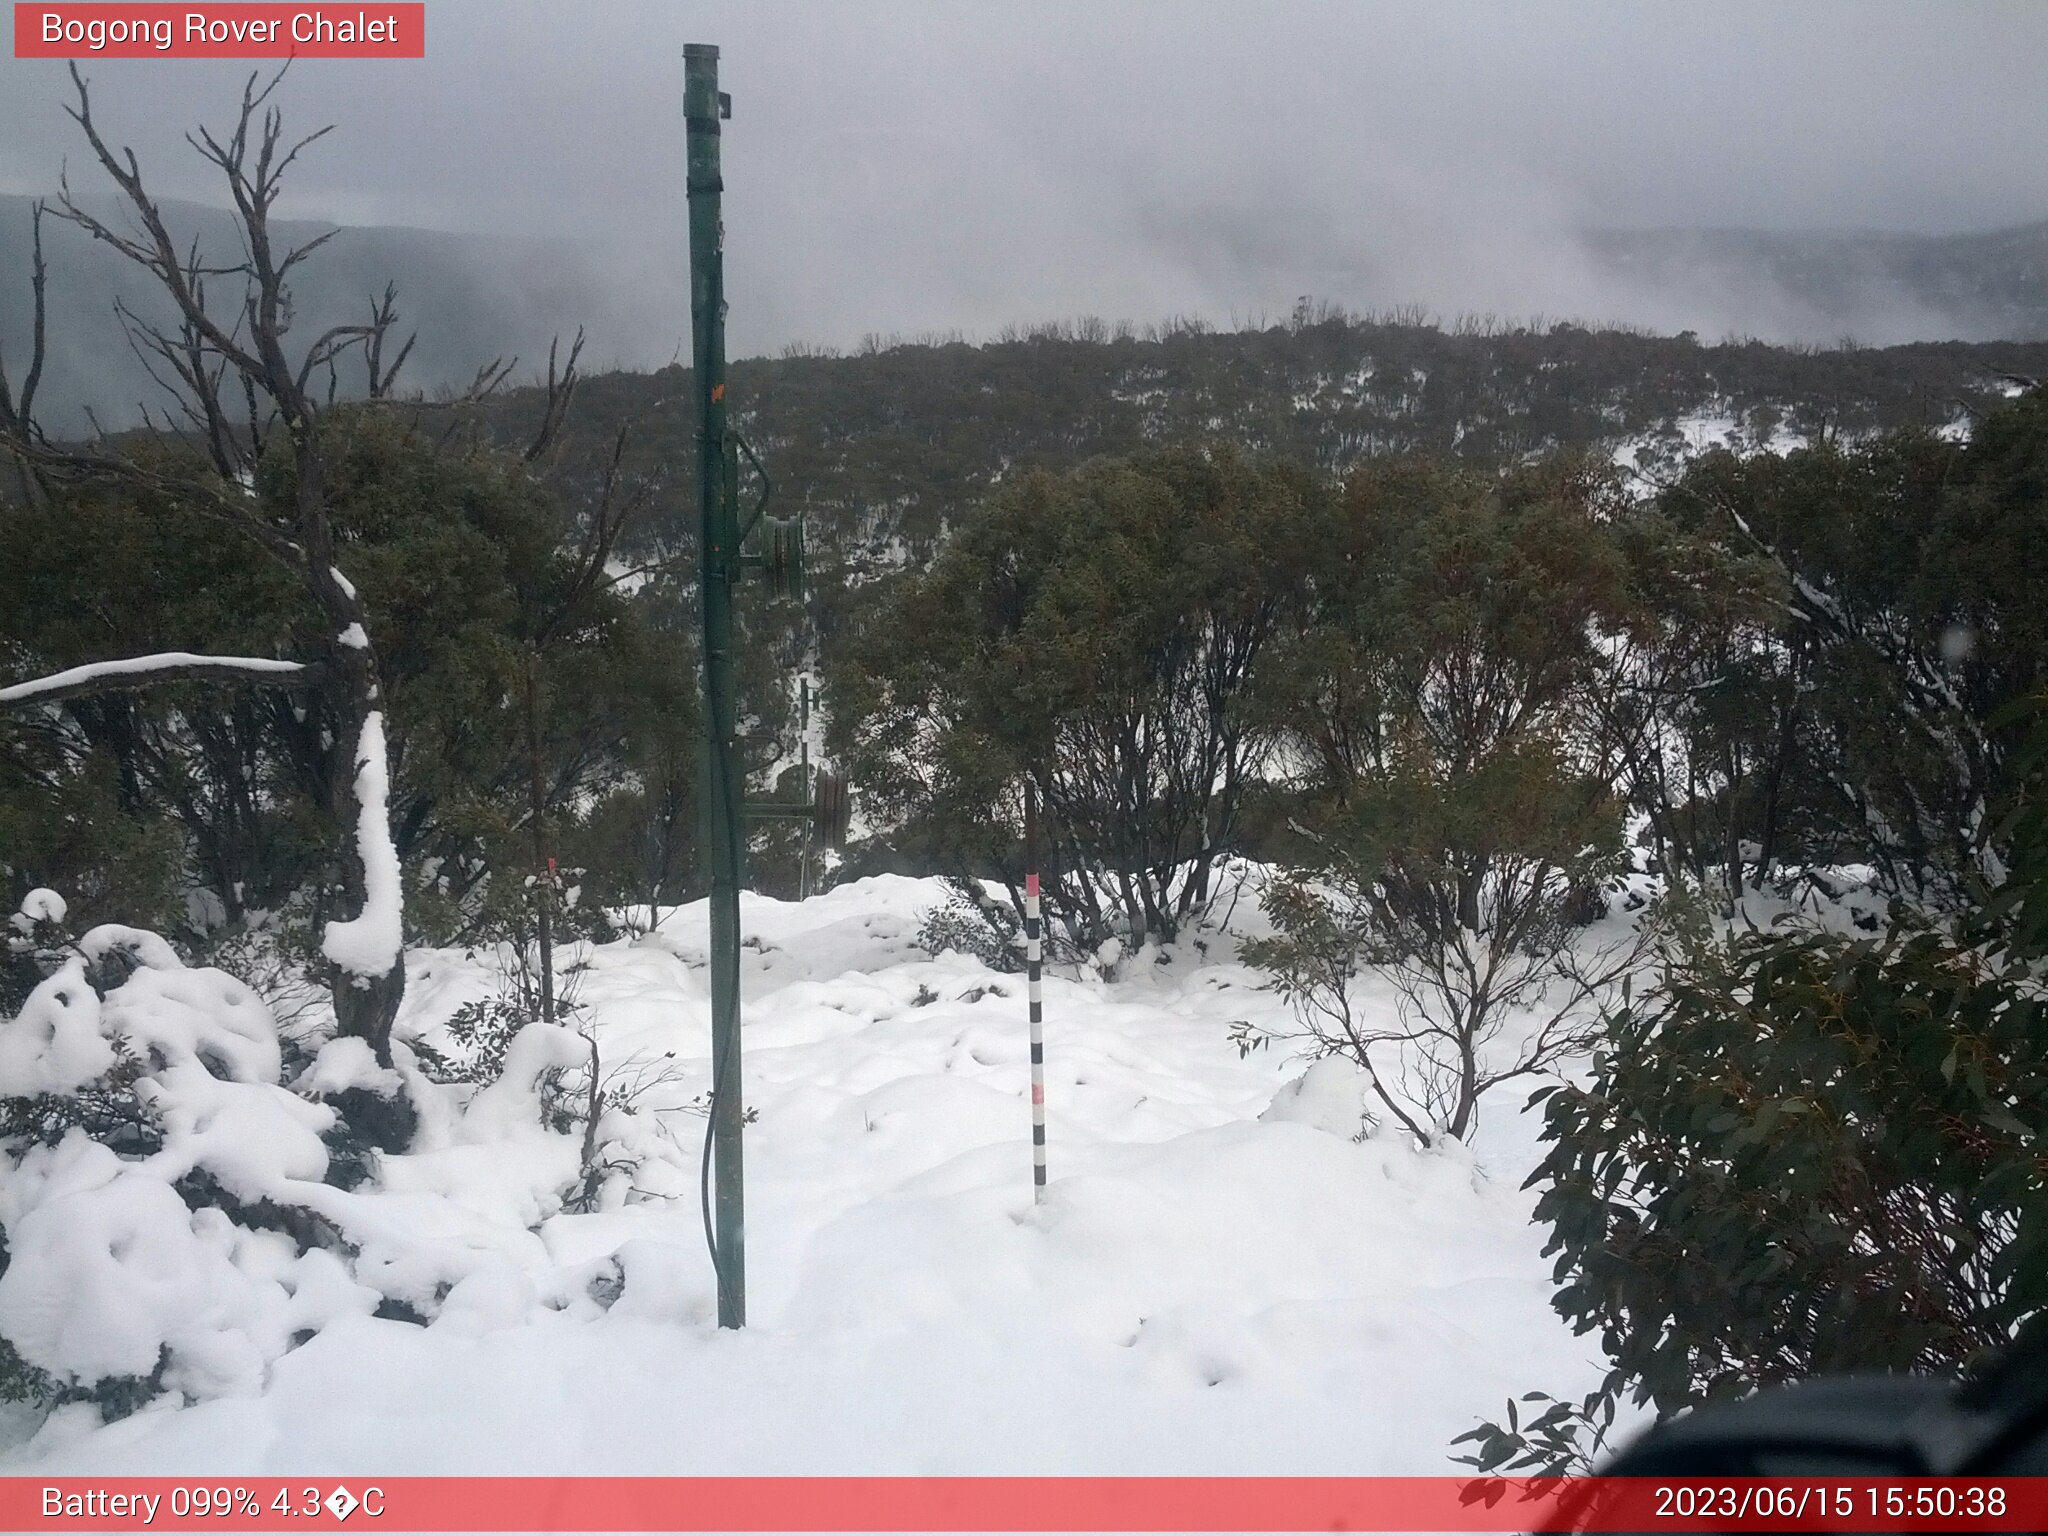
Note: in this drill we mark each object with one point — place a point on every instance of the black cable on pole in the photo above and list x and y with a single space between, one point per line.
721 1066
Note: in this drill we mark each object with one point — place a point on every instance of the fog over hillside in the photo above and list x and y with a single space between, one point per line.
1808 172
1877 289
473 297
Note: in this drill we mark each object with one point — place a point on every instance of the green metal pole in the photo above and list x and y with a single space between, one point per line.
718 549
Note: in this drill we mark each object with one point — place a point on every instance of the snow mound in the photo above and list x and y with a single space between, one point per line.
345 1064
111 1274
1331 1096
150 1126
41 905
196 1018
55 1044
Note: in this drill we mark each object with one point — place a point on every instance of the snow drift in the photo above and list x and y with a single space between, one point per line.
1224 1277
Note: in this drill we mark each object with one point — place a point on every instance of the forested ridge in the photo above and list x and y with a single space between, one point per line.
888 451
889 446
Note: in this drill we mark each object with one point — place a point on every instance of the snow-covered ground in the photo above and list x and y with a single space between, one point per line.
1220 1280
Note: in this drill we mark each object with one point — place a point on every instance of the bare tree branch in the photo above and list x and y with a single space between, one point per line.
155 252
559 393
383 318
17 416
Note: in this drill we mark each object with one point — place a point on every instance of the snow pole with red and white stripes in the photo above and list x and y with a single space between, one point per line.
1033 957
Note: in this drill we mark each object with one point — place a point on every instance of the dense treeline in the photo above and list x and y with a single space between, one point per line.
195 806
887 448
1771 665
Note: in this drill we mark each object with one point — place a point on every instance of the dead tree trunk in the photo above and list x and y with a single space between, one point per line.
233 390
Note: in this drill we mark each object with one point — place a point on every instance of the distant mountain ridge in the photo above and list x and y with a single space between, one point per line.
475 297
1879 288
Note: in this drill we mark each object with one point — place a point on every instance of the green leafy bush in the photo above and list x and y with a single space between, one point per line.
1802 1153
1809 1153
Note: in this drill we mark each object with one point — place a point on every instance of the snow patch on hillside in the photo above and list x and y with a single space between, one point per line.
1663 451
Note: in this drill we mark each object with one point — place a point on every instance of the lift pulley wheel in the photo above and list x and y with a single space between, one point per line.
833 808
782 556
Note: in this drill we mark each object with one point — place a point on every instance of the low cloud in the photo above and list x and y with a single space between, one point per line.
908 167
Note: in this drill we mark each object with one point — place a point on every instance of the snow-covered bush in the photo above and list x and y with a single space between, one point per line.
188 1190
277 953
153 1167
483 1032
34 939
625 1150
960 925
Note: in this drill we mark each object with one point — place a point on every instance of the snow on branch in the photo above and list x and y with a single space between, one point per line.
368 944
141 671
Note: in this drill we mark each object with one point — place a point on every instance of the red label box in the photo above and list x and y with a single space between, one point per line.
372 30
1022 1504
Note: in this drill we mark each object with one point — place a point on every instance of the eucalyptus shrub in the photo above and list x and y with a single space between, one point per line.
1817 1153
1803 1152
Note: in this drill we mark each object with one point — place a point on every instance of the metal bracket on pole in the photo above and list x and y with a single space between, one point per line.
829 809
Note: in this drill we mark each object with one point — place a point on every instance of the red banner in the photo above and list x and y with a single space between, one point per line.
1191 1504
214 31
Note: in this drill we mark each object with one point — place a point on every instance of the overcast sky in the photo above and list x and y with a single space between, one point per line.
901 165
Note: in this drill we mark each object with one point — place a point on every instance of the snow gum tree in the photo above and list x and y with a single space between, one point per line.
1855 724
1453 829
1098 632
1697 697
240 397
